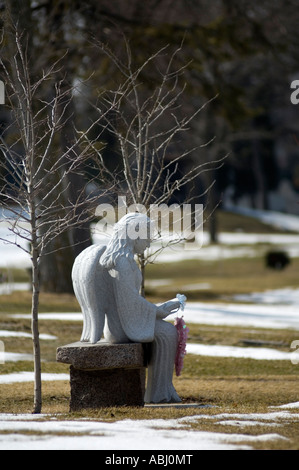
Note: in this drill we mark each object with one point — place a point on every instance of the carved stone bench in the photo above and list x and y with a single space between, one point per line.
104 374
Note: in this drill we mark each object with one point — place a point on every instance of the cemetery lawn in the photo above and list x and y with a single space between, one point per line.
236 387
217 280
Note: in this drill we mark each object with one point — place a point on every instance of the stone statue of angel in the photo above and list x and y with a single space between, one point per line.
107 284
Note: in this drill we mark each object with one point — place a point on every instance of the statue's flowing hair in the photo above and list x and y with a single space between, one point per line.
87 273
124 236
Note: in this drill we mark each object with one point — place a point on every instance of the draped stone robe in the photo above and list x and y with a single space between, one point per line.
130 317
112 296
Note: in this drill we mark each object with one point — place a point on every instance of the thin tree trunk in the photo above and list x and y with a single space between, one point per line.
35 338
34 314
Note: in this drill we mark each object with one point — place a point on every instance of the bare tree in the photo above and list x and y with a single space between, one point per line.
35 177
35 188
150 126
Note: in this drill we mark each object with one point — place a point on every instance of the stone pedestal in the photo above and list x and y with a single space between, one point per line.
104 374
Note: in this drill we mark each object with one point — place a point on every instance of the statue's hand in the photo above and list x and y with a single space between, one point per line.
167 308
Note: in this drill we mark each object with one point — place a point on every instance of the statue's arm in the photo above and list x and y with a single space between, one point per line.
136 314
167 308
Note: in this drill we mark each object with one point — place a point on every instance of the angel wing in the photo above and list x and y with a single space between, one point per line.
87 277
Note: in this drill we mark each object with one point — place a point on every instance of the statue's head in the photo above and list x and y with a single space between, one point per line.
136 229
131 234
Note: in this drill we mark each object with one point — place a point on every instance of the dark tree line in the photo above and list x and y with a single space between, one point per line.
243 52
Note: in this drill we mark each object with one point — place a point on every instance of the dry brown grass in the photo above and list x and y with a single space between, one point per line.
228 385
228 394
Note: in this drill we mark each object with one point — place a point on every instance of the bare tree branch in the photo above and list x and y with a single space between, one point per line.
149 125
35 177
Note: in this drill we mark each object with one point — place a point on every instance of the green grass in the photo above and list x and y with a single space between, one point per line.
225 278
231 222
15 274
241 336
20 302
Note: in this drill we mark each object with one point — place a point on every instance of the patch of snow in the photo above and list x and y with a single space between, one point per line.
272 416
246 423
208 253
51 316
20 334
198 286
11 255
157 434
289 405
239 352
22 417
260 316
16 357
9 287
228 247
275 219
284 296
240 238
18 377
277 316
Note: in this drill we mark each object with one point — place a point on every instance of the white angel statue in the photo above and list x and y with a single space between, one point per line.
107 284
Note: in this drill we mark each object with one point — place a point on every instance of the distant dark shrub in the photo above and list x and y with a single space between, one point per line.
277 259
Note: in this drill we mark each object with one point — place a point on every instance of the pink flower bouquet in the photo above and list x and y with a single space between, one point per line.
183 331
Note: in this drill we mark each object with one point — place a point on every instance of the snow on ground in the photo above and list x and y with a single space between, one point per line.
8 287
276 219
277 309
256 353
289 405
273 419
157 434
14 357
21 334
284 296
272 309
230 244
18 377
278 316
10 255
161 434
239 352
